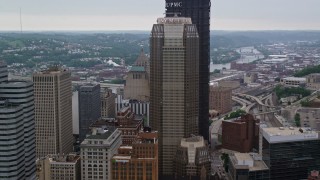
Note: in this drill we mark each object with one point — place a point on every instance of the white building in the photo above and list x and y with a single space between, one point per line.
96 153
293 81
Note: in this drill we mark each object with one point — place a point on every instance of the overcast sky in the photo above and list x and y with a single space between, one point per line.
142 14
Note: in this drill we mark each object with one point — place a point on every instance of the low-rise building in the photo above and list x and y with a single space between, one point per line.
192 159
240 135
59 166
293 81
313 81
139 160
247 166
220 99
96 152
310 117
250 77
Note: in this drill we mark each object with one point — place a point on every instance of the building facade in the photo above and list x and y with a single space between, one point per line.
293 81
108 104
199 12
241 135
192 159
313 81
89 108
248 166
174 85
97 151
137 82
53 112
249 78
310 118
290 153
60 166
220 99
17 128
138 161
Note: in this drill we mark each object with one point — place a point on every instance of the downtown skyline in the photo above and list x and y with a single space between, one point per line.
132 15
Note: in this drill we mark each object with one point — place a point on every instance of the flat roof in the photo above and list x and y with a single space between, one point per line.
294 78
256 164
292 134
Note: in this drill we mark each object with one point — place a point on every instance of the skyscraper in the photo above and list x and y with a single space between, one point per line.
174 85
53 111
89 108
199 12
17 129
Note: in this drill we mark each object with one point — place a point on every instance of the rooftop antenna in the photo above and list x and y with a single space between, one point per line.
20 22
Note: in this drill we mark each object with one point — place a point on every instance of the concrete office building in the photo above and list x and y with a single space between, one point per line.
290 153
89 108
199 12
138 161
75 112
59 166
192 159
313 81
220 99
137 81
174 85
247 166
53 112
17 128
293 81
241 135
250 78
310 117
96 153
108 104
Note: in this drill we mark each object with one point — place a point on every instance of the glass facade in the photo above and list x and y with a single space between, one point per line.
291 160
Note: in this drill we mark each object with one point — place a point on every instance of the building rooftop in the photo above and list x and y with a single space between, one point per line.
294 79
101 133
250 161
291 134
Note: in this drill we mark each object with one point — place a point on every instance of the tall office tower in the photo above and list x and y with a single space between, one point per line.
3 71
174 85
108 103
199 11
17 130
53 111
89 108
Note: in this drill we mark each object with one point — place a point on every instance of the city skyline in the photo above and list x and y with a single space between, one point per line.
100 15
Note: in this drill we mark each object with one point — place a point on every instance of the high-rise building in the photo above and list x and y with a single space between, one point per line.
59 166
17 128
290 153
53 112
97 151
89 108
192 160
174 85
108 104
199 12
137 81
139 160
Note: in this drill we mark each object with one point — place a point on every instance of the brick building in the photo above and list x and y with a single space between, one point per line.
240 135
138 161
220 99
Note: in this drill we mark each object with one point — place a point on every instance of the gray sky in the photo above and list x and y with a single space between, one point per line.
141 14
